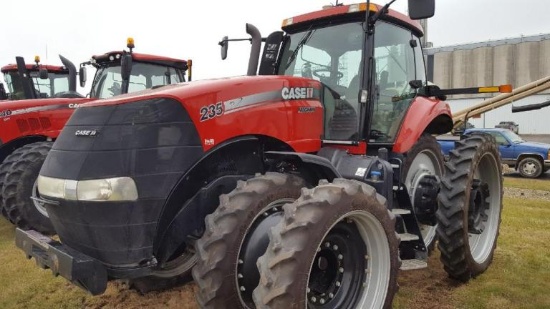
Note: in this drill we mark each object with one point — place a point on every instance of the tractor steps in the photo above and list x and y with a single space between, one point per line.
408 237
413 264
400 211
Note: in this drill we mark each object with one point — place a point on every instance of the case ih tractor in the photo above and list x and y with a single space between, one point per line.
309 184
35 81
28 128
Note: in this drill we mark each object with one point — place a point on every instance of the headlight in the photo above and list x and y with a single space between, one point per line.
110 189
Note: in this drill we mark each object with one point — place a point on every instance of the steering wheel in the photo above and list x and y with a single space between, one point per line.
317 71
377 134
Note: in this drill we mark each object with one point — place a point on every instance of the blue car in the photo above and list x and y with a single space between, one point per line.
530 159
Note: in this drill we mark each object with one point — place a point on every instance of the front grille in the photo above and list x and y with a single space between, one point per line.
152 141
22 125
33 124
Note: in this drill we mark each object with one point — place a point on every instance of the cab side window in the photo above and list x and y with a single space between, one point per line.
398 60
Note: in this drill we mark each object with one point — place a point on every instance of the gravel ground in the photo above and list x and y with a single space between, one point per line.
527 193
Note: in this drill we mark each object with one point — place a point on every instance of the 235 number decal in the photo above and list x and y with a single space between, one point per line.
211 111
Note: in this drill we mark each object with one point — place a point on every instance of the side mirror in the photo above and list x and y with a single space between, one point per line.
224 43
421 9
43 73
82 76
126 66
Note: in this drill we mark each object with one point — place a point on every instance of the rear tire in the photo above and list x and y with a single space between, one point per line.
20 185
424 158
470 207
4 168
336 247
530 167
221 273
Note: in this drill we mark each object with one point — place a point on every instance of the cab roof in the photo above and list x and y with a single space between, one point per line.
104 59
35 68
290 24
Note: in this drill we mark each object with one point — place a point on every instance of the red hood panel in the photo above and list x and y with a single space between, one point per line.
281 107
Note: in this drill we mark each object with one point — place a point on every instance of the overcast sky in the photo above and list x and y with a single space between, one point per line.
78 29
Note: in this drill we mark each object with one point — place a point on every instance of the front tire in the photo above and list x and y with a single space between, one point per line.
4 169
236 235
470 207
336 247
20 186
530 167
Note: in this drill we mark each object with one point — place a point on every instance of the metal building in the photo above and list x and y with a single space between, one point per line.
515 61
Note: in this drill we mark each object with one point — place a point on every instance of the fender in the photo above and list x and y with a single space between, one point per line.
311 167
530 154
197 192
424 115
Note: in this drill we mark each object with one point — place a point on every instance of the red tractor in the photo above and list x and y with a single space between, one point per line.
35 81
309 183
28 128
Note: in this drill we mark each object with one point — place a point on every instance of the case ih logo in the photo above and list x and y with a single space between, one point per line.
86 132
297 93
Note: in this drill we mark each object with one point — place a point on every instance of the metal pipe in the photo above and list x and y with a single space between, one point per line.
482 108
72 72
502 96
254 50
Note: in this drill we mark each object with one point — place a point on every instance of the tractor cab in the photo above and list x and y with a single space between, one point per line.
120 72
361 58
334 56
369 62
47 80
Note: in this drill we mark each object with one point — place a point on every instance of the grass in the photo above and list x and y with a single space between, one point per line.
519 276
23 285
525 183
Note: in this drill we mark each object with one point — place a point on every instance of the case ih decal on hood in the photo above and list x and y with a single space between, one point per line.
22 111
297 93
287 93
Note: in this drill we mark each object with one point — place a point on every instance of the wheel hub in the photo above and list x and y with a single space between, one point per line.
425 199
339 268
479 206
326 277
529 168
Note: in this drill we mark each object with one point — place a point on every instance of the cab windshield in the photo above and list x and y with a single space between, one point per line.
108 80
44 88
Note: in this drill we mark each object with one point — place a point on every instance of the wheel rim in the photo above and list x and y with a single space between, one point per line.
177 266
345 274
529 168
486 214
247 275
424 164
35 200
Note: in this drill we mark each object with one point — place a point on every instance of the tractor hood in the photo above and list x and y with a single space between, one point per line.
282 107
17 107
39 117
225 89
